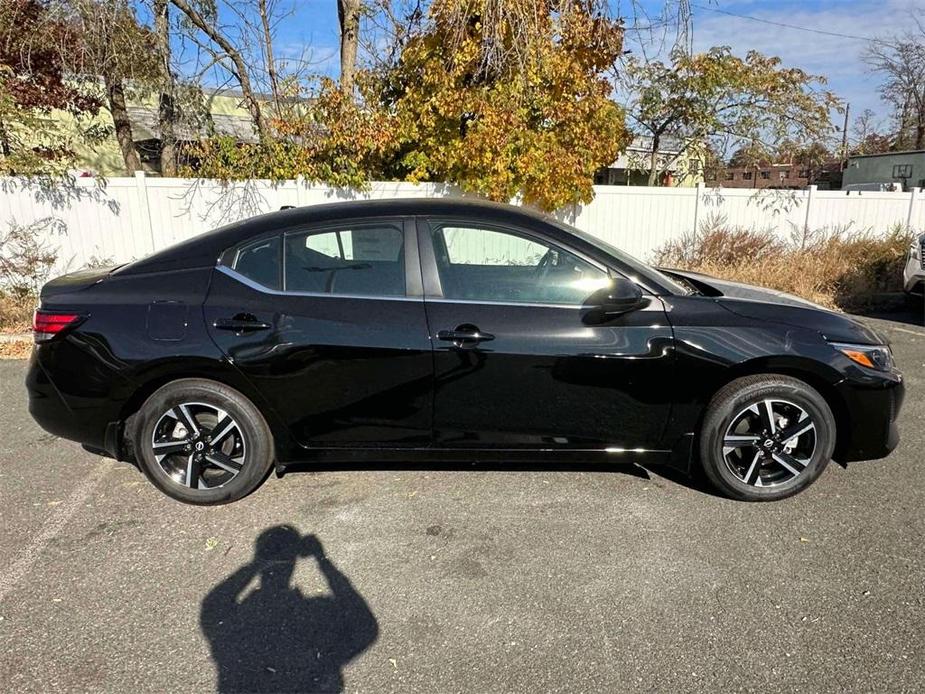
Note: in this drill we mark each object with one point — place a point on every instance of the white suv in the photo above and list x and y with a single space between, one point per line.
914 272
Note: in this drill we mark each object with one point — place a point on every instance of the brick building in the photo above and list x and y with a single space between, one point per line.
793 176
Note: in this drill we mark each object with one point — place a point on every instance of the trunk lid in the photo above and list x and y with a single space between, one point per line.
76 281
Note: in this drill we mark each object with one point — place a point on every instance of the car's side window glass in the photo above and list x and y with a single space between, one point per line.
479 264
366 260
259 262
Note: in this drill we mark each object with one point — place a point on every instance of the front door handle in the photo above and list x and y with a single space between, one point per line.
464 335
240 324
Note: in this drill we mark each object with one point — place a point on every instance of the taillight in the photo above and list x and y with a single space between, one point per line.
47 324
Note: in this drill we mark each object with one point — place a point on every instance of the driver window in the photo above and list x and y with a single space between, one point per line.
488 265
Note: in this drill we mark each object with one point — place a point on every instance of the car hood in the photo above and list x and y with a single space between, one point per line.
770 305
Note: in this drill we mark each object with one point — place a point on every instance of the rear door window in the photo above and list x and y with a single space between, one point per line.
359 260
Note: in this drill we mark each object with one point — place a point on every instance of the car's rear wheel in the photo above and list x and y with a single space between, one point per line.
202 442
766 437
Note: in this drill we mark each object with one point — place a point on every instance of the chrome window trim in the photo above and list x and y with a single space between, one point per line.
280 292
419 299
476 302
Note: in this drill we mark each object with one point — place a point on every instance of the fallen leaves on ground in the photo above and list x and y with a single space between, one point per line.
20 349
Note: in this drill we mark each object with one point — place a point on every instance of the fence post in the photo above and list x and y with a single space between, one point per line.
141 183
912 199
701 186
299 184
809 204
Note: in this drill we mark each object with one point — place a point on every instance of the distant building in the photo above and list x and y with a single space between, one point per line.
766 175
222 114
227 118
632 166
905 168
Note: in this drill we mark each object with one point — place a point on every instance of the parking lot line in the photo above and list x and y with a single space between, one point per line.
911 332
51 528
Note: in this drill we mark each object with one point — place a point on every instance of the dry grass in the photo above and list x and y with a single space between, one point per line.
16 311
836 269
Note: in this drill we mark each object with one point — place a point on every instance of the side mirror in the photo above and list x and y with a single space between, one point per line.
622 296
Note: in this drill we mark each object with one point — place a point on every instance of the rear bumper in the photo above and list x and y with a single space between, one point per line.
873 405
60 415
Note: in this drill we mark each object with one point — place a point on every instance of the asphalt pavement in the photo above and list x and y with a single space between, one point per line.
460 579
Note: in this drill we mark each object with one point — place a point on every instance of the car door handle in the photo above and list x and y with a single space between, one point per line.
464 335
240 325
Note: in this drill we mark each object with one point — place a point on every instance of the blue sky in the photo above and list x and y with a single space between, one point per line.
313 24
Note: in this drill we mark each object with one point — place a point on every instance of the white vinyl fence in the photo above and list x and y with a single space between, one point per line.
131 217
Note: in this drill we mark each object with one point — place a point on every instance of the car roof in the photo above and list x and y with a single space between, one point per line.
204 249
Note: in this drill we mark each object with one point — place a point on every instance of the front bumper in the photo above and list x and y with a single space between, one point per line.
872 404
913 276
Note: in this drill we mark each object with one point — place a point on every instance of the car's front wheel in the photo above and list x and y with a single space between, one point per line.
766 437
202 442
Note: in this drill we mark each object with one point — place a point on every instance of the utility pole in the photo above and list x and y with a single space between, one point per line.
844 138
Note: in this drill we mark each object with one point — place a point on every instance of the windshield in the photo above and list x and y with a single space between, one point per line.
644 271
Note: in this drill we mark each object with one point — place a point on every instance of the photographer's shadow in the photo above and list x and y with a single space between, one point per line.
275 639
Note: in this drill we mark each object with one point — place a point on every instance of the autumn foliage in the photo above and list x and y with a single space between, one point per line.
535 118
500 98
33 82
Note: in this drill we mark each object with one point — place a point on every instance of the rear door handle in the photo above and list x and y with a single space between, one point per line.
240 324
464 334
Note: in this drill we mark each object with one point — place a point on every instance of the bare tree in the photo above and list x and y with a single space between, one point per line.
167 113
113 47
656 28
115 94
901 61
230 56
265 12
348 15
867 136
386 27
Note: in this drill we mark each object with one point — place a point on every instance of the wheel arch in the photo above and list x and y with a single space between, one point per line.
820 377
158 375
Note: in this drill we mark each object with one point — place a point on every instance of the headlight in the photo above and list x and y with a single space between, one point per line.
914 250
877 357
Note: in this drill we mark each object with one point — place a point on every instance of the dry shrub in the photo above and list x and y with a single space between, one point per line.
720 247
838 269
16 311
26 259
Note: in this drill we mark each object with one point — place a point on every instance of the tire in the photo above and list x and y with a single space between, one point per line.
172 441
741 455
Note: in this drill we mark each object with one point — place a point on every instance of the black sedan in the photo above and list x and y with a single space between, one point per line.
447 330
